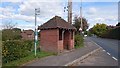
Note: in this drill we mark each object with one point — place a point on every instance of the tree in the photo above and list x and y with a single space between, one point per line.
9 24
0 35
77 23
99 29
11 34
118 24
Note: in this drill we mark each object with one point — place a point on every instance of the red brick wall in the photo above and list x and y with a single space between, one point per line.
72 42
49 40
27 37
60 46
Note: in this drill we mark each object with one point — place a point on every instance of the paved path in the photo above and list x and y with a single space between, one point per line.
61 60
99 58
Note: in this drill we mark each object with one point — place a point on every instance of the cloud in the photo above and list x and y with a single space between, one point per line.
25 27
7 10
26 18
10 15
47 9
6 13
102 14
3 17
106 20
33 0
26 11
91 10
60 0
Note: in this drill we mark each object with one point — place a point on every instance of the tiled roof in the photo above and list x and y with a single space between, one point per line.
28 31
56 22
112 27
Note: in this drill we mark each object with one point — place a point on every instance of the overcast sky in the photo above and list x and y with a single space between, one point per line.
22 11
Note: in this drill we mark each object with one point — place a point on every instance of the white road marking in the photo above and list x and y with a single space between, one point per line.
114 58
97 45
103 50
108 53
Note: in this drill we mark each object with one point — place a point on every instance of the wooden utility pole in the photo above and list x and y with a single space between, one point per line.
81 15
118 11
70 11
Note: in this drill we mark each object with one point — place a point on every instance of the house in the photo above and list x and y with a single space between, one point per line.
112 27
27 34
56 35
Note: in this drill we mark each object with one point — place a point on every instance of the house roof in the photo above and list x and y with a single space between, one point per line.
28 31
56 22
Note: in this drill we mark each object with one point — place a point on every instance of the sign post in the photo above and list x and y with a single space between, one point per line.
37 12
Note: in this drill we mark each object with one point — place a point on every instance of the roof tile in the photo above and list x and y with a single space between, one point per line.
56 22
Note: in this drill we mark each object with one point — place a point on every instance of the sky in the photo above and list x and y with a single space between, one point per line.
21 12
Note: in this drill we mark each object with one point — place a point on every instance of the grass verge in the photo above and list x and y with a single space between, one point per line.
80 46
28 58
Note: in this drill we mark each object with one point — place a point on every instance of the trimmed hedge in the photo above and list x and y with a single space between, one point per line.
13 50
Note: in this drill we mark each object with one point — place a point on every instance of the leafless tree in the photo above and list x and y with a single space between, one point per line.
8 25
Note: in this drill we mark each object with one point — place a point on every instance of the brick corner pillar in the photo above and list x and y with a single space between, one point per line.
70 40
73 41
60 43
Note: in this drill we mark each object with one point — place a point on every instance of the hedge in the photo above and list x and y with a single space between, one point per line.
78 40
13 50
112 34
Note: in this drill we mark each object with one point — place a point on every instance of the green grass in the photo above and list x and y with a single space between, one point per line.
28 58
80 46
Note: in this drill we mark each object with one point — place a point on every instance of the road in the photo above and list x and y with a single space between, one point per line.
110 45
99 58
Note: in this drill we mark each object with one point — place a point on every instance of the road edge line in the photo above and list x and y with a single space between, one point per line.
106 51
115 58
81 58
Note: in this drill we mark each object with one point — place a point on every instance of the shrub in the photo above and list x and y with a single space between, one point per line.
13 50
78 40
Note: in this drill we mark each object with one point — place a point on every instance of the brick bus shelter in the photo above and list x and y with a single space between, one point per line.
56 35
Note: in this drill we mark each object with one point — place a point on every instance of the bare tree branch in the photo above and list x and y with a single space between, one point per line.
9 25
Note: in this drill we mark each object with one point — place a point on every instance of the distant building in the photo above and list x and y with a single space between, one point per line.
112 27
56 35
27 34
